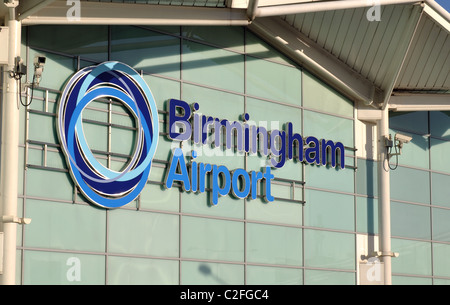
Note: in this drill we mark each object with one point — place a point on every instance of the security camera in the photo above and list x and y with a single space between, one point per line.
402 139
39 63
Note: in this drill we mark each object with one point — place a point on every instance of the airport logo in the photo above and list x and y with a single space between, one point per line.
99 184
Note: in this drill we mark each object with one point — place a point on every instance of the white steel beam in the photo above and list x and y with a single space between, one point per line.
420 102
102 13
318 61
30 7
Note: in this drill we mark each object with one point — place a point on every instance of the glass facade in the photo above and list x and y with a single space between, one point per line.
307 235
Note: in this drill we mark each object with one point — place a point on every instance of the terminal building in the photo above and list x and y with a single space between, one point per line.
228 142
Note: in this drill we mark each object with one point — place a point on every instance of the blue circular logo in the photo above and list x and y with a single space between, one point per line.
101 185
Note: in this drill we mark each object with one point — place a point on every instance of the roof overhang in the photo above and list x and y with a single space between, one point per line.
370 62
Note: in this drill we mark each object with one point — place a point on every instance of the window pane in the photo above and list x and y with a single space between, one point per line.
213 67
223 36
156 197
441 224
329 250
129 232
87 41
330 178
205 239
49 184
260 275
200 203
318 95
412 121
324 126
410 185
367 215
366 178
65 226
409 220
329 210
202 273
440 124
440 189
141 271
439 155
133 45
318 277
52 268
441 259
408 280
274 244
414 257
273 81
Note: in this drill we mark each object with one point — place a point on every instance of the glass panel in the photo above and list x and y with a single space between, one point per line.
410 185
439 155
414 258
273 81
274 244
213 67
202 273
129 232
409 220
408 280
441 224
141 271
367 215
412 121
441 260
322 210
366 178
318 95
156 197
49 184
200 203
52 268
132 45
440 191
123 141
255 46
282 212
83 40
65 226
318 277
96 136
330 178
41 128
260 275
329 250
439 124
323 126
205 239
223 36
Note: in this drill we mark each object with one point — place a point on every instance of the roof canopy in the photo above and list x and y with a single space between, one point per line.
382 53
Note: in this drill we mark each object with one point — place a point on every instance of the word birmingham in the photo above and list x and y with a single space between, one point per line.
186 124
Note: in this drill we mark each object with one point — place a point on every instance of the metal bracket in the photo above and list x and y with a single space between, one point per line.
387 253
15 219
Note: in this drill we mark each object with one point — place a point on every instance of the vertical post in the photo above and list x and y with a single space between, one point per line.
10 153
384 200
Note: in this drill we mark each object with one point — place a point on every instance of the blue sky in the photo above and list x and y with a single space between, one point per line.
445 4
